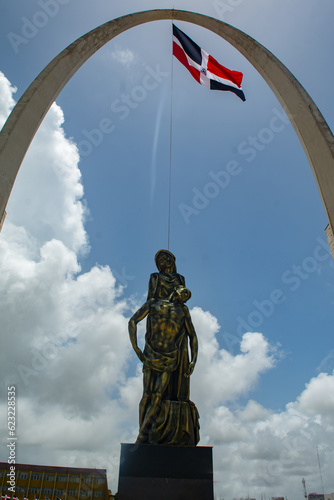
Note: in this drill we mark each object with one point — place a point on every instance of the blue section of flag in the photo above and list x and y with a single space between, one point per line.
189 46
221 86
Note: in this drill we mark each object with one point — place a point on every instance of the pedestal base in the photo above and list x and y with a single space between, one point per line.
164 472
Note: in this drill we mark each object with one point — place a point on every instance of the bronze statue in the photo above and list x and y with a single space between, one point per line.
166 414
162 284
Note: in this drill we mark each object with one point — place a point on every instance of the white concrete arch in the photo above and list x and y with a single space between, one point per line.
312 129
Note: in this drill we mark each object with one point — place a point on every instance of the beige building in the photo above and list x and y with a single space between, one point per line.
44 482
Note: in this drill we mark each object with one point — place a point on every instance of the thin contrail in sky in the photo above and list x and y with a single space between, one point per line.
155 145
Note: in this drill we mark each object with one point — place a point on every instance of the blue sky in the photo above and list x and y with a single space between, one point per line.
90 210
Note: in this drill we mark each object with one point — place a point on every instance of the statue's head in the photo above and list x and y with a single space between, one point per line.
181 294
165 260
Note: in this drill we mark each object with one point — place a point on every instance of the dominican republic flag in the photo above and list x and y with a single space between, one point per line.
203 67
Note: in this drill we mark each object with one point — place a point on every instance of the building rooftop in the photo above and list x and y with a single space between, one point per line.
55 469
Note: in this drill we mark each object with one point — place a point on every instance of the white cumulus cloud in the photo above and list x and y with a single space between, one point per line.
123 56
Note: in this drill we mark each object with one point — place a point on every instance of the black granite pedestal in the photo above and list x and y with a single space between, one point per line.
165 472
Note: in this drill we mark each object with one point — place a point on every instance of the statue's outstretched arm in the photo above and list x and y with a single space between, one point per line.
193 342
138 316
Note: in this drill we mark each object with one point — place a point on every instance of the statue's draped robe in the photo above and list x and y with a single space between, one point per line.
176 423
161 285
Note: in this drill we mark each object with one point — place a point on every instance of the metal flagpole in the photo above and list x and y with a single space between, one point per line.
170 141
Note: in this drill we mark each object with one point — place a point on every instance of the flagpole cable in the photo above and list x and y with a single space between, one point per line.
170 141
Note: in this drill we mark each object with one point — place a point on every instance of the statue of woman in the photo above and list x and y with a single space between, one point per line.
162 284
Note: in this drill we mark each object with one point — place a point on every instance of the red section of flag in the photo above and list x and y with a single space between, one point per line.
217 69
180 55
